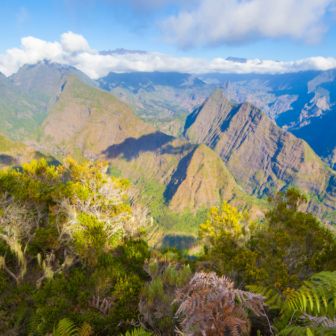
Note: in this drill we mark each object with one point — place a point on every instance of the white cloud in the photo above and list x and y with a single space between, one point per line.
74 50
216 22
74 43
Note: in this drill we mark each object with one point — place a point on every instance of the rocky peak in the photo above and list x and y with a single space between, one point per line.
262 157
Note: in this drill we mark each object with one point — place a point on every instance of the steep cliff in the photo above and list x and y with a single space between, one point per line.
261 156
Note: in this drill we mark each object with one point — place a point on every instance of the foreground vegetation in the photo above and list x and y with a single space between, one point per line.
75 261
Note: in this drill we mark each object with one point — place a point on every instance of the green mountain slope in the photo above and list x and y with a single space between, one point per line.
262 157
15 153
27 96
19 113
169 174
44 80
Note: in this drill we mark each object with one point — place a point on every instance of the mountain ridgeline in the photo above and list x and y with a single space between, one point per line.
260 155
27 97
92 124
225 151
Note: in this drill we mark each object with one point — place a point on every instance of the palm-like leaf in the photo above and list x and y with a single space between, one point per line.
274 298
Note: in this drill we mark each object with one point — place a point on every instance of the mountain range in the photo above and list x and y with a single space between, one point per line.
206 146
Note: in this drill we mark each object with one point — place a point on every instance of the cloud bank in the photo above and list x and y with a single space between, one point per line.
216 22
74 50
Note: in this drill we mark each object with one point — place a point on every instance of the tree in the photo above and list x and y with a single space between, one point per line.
72 246
226 234
286 249
72 213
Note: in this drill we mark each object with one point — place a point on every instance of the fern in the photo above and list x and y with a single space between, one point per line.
308 331
65 327
84 330
274 297
33 325
138 332
210 304
316 296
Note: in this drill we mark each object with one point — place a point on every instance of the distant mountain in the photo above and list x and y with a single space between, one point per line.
261 156
290 99
121 51
138 80
237 59
20 113
44 80
156 96
27 96
320 134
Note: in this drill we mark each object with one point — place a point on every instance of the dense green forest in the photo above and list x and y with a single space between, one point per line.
75 260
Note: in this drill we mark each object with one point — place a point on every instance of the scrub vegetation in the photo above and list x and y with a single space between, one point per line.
75 260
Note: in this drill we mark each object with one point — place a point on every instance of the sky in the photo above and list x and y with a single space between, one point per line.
194 36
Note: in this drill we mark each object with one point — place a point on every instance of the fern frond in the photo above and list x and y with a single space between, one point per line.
315 296
138 332
33 325
274 297
65 327
84 330
303 331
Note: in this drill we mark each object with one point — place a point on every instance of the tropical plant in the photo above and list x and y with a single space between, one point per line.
167 271
138 332
308 309
287 248
72 213
70 247
211 306
66 327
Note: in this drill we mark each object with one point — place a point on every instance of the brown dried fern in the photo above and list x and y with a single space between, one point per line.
211 306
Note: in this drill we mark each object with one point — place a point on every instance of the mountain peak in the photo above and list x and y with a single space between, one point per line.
218 94
261 156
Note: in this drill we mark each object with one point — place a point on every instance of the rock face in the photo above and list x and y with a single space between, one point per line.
201 179
262 157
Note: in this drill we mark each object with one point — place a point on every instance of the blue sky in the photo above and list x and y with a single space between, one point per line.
207 29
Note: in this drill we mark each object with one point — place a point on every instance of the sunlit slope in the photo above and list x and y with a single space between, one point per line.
14 153
20 114
93 124
261 156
